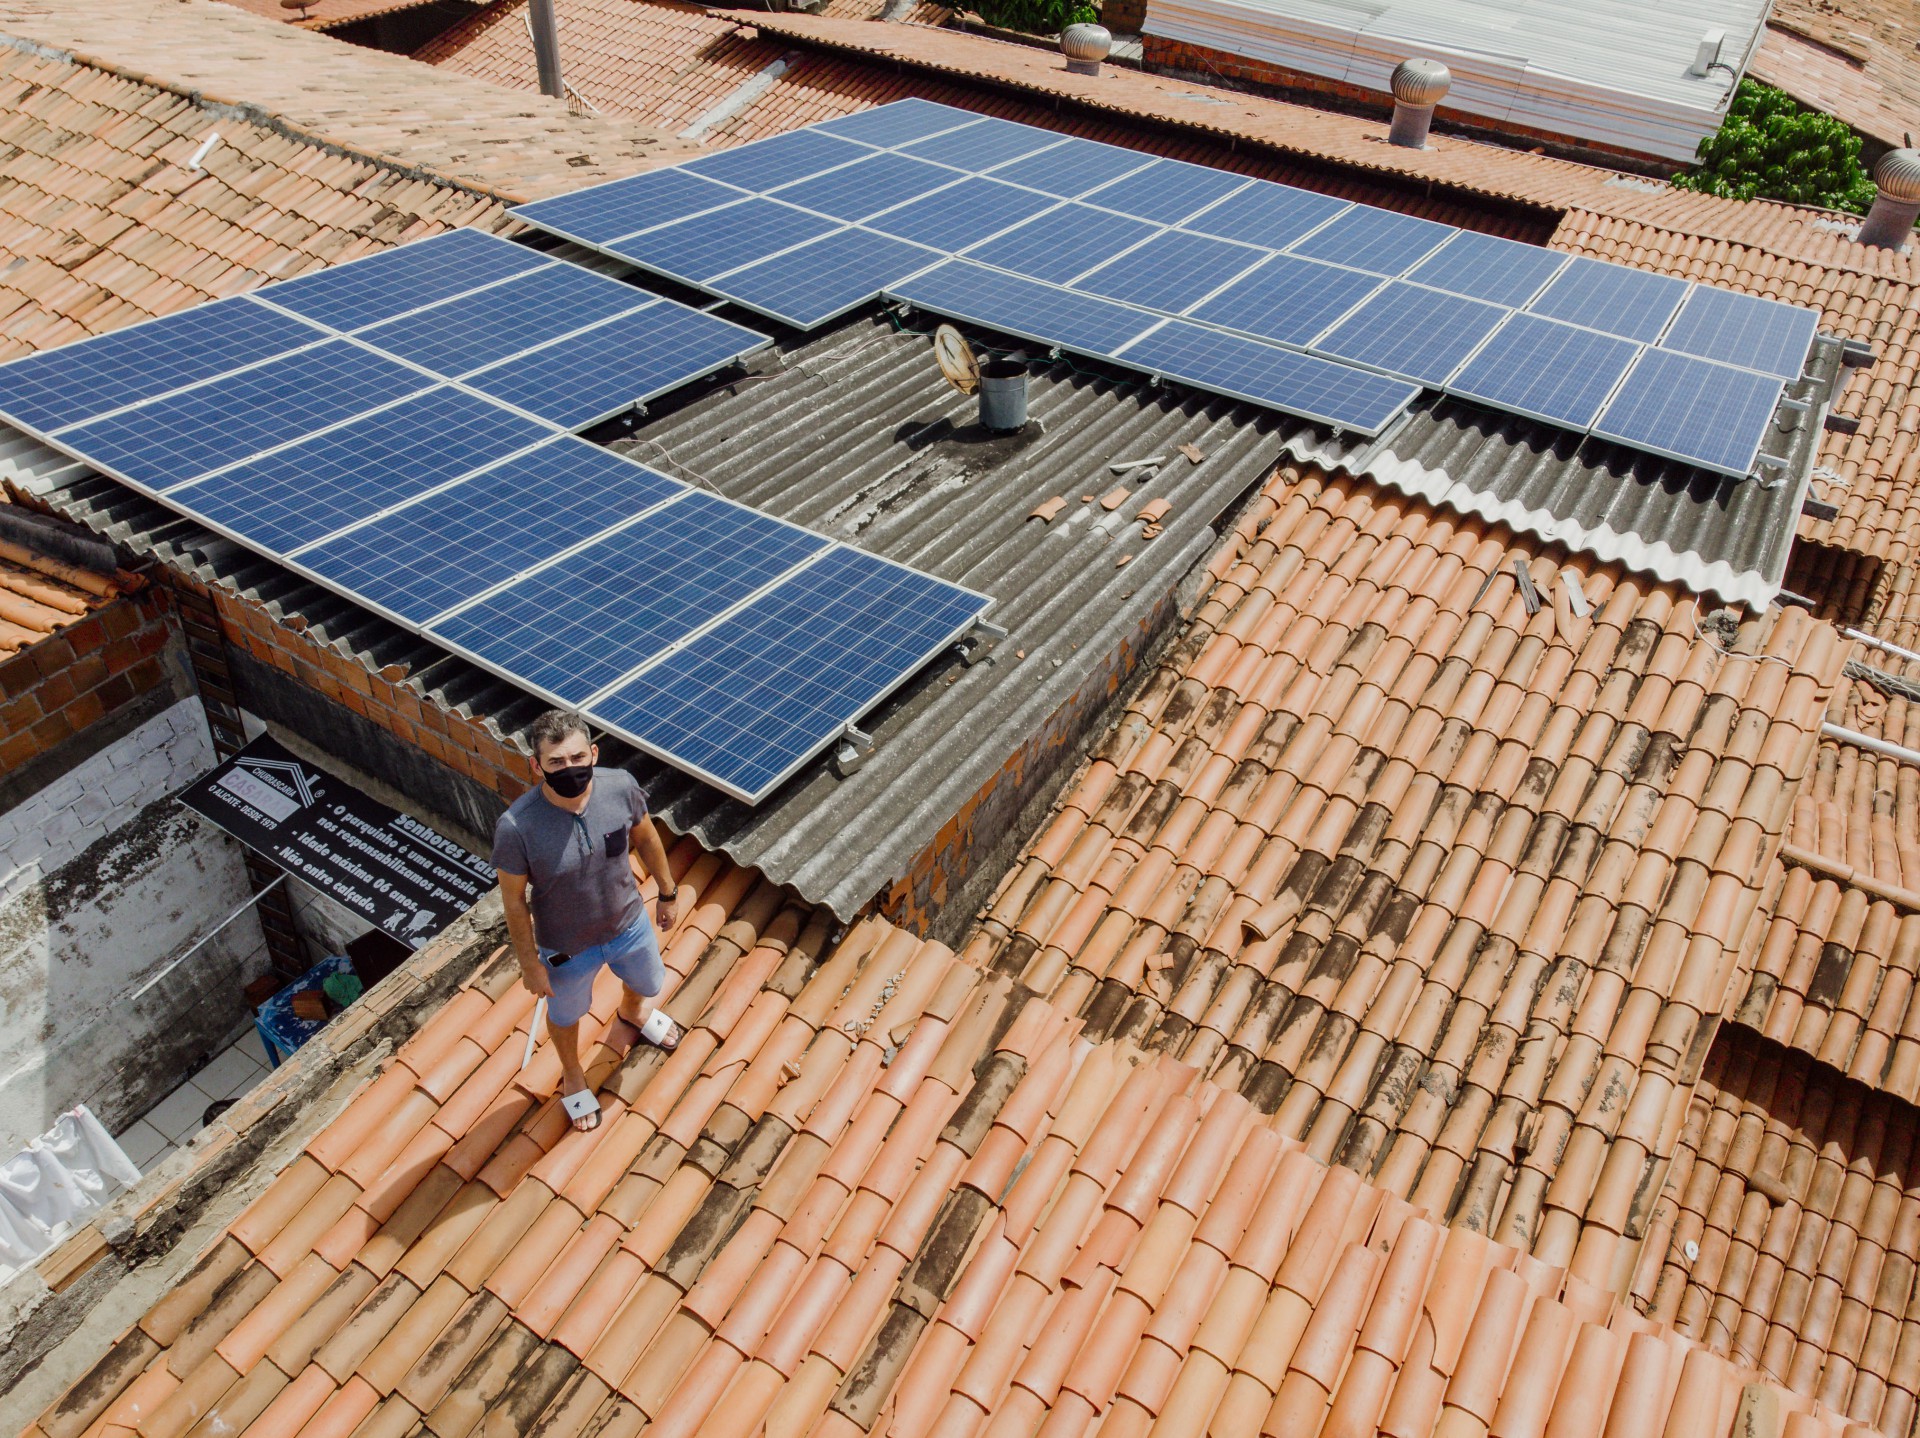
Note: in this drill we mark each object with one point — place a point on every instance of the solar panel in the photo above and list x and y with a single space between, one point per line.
1486 267
1744 330
1023 307
1381 241
1267 214
1167 191
1288 300
330 480
697 249
765 164
1062 243
591 376
1546 370
49 391
899 123
1071 167
962 214
763 691
983 144
1416 333
825 277
1633 304
585 621
1264 374
1692 410
452 546
624 207
487 326
379 286
174 438
1173 268
867 187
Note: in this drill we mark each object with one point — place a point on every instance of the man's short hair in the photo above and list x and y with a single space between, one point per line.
556 726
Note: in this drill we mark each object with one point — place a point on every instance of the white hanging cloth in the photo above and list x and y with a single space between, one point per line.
71 1170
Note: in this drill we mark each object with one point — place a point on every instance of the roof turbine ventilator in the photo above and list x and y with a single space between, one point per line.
1896 205
1418 85
1085 46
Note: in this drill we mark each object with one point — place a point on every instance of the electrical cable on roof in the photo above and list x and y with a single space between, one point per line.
1712 643
1894 684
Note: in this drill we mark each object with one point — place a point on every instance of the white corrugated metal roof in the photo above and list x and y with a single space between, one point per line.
1610 72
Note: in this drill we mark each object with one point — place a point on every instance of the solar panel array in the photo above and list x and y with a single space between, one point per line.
791 227
399 429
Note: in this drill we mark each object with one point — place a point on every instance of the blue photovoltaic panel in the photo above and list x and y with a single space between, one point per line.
625 207
867 187
1633 304
1072 167
1288 300
962 214
1692 410
1167 191
1061 243
984 143
452 546
1378 240
594 375
1172 270
1267 214
1299 384
785 158
706 245
581 623
1541 368
766 689
328 481
825 277
468 333
899 123
1416 333
1486 267
1744 330
66 386
1023 307
172 439
366 291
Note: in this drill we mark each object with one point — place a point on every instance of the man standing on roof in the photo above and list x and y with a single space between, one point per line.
567 841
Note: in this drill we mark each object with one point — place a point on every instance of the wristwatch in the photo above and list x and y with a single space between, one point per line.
669 898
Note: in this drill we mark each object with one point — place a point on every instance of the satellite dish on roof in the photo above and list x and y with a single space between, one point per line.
956 359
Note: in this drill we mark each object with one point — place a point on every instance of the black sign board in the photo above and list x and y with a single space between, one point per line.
390 869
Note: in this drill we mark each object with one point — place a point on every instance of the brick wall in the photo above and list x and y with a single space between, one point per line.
93 668
454 737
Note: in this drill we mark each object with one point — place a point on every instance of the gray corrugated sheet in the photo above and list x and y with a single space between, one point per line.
860 437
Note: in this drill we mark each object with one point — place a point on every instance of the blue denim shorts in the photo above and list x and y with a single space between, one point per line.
633 954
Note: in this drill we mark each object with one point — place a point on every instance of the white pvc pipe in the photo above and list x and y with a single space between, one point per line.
1880 644
1867 741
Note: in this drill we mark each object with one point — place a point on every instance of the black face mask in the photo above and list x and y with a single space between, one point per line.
569 783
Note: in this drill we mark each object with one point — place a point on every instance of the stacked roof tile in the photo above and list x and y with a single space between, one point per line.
40 596
1852 60
884 1192
1792 1209
1455 888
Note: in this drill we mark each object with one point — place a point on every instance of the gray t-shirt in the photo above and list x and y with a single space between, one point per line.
583 890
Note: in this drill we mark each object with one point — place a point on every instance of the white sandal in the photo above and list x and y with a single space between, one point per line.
580 1105
661 1031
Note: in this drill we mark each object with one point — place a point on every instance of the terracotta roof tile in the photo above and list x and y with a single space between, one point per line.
40 596
1854 61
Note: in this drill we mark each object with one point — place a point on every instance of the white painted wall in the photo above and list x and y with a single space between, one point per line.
104 882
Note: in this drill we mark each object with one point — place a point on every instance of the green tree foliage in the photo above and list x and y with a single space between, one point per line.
1771 148
1036 17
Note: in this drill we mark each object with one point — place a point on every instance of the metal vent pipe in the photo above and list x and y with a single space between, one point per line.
1889 223
1418 85
546 47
